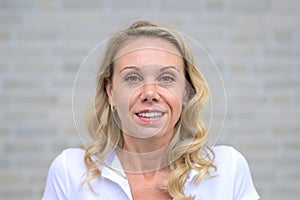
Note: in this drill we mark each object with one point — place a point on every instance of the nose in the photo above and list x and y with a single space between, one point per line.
149 93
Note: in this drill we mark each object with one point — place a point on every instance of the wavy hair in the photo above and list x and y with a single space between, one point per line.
188 145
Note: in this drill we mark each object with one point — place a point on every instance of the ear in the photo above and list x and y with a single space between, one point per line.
187 94
109 89
185 98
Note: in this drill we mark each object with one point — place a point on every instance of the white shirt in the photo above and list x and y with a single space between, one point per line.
233 179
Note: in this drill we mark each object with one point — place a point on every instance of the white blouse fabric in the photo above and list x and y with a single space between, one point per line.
232 180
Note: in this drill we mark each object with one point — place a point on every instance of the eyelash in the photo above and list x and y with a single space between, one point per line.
130 78
169 78
165 78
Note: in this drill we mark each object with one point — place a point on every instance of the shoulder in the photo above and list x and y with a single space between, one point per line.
71 158
225 150
68 157
231 180
64 172
68 161
228 159
75 154
225 153
233 168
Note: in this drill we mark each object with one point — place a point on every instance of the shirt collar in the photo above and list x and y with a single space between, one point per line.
114 166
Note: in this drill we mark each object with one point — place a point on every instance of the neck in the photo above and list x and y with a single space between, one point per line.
144 155
139 145
143 162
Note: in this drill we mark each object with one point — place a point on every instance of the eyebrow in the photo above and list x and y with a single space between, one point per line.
138 69
130 67
169 67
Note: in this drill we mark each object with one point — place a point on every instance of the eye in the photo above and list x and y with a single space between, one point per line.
166 79
132 78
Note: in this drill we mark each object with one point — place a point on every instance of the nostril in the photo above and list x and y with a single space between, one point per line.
148 98
149 93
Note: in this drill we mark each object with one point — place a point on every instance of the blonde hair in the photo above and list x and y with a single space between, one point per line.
188 145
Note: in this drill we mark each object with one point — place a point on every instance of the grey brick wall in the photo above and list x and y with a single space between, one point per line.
255 43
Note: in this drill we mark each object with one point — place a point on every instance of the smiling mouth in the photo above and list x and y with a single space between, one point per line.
150 114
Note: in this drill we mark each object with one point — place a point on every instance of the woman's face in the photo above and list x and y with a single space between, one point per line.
148 87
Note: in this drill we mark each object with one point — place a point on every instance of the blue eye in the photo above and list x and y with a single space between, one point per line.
132 79
167 79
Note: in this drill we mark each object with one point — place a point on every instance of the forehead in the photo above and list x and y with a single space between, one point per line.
148 51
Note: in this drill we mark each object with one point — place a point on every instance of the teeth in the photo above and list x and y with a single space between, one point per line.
150 114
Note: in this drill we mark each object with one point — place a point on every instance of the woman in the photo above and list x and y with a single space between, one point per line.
149 141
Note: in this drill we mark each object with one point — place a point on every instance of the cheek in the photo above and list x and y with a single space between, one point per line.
175 100
176 96
176 105
123 98
120 98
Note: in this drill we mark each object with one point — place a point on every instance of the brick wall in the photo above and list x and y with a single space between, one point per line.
254 42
